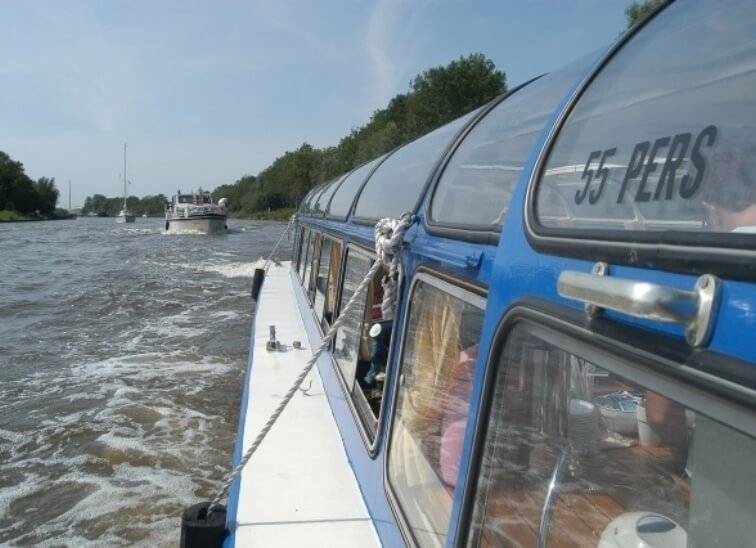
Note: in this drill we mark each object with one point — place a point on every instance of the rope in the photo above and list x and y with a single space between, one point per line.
285 232
388 240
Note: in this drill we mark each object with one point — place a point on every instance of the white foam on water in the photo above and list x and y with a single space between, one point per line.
231 269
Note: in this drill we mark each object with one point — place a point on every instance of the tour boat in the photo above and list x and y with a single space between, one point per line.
568 357
195 213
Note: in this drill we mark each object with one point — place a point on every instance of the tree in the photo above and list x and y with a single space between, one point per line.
638 11
437 96
441 94
47 193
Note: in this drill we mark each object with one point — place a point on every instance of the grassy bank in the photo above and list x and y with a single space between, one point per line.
10 216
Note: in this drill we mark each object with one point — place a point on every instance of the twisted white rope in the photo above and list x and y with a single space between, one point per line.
388 241
285 232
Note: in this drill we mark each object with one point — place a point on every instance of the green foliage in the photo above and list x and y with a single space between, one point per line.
153 205
19 193
436 97
638 11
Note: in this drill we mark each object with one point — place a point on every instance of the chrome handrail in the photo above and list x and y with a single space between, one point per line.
693 309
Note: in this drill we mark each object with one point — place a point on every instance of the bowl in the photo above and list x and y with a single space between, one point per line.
618 412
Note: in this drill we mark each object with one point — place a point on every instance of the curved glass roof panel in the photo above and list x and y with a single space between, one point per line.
476 186
321 203
312 198
662 143
343 198
396 186
305 201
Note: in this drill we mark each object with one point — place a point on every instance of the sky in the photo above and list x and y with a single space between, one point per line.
204 92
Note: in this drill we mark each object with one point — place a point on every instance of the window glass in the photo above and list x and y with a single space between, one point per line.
321 277
477 184
344 195
303 255
594 451
435 384
311 198
396 186
322 201
295 248
312 256
347 340
305 205
664 138
327 280
333 283
362 345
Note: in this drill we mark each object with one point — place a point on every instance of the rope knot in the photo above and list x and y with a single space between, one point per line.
389 235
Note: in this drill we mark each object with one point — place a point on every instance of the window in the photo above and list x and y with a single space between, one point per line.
303 254
432 404
594 450
344 195
296 253
396 185
361 346
326 283
664 137
313 248
477 184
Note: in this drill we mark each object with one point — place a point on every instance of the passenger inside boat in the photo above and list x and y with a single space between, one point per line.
575 448
436 373
729 198
373 351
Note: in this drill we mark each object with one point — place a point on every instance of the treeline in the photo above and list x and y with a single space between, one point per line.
437 96
153 206
19 193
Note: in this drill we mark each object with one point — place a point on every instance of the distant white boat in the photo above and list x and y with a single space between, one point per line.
125 216
195 213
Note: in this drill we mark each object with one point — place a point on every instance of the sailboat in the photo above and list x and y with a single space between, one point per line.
125 216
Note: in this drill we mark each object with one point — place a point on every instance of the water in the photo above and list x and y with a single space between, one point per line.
122 352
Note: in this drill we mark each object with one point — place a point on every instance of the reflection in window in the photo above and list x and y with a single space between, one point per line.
332 283
362 344
322 277
304 255
342 200
627 461
477 184
662 142
321 203
395 187
432 405
313 253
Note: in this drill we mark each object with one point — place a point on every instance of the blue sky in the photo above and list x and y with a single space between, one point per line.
205 92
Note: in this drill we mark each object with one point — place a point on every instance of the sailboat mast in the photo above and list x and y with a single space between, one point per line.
69 195
124 175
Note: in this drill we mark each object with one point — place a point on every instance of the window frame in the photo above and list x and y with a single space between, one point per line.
457 288
688 376
731 256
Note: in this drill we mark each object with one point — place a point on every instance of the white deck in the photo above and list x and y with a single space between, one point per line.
298 489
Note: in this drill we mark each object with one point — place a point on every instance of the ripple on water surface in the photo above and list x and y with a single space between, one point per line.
119 387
